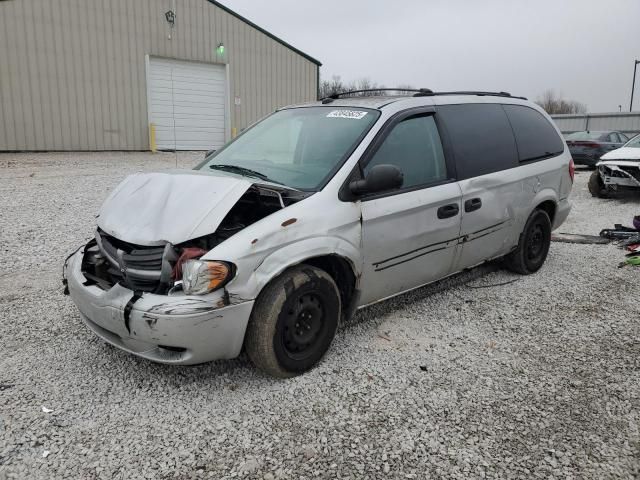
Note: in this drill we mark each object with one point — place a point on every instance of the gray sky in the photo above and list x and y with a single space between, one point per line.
584 49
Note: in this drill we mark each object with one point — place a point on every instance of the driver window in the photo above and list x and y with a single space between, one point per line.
414 147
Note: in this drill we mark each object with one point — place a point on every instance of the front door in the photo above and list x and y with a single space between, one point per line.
410 234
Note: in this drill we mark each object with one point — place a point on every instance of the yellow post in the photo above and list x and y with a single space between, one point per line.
152 138
234 132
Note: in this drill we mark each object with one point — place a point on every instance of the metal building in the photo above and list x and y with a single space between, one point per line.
625 122
107 74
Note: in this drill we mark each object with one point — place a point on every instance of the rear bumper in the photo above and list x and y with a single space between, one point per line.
562 212
585 160
181 330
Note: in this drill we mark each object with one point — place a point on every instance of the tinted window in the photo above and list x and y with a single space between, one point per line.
623 137
613 137
535 136
414 147
481 138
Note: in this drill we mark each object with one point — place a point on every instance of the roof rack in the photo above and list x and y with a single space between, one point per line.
336 96
421 92
469 92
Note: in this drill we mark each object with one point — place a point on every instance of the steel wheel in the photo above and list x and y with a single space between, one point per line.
533 246
303 324
535 242
293 321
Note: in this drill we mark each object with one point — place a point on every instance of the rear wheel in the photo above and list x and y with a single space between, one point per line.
596 185
293 321
533 246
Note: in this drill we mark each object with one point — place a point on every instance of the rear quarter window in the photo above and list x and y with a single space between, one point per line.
481 138
536 137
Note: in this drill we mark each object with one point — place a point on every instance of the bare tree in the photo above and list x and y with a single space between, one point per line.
331 87
554 104
336 85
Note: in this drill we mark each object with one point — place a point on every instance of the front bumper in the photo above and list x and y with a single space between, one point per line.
179 330
614 176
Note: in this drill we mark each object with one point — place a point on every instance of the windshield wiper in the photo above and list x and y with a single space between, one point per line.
247 172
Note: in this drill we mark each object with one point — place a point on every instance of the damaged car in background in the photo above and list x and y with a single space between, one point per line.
312 213
617 170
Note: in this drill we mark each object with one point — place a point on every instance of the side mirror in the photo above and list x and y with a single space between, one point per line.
379 179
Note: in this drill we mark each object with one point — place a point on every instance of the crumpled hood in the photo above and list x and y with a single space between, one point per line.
624 153
175 206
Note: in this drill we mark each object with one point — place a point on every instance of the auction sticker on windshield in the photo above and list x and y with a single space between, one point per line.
354 114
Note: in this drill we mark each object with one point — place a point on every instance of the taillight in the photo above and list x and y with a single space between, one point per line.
588 144
572 169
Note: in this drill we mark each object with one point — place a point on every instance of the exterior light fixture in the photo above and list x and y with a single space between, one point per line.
171 18
220 49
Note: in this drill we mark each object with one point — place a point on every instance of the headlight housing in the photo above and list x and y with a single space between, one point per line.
202 276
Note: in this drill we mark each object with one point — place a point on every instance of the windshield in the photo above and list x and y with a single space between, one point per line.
585 136
634 142
299 147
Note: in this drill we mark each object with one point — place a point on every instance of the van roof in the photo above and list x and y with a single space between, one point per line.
377 101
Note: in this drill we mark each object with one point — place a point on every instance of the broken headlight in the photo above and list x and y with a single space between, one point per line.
201 276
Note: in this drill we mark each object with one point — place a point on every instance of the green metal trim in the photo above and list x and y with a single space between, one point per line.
268 34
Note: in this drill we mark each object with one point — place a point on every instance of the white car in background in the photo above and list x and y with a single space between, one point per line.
618 169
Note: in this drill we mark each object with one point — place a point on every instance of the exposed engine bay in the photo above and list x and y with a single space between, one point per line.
156 269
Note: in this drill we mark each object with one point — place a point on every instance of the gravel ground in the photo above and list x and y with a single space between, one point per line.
534 379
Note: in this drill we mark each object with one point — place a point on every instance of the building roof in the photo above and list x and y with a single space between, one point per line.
268 34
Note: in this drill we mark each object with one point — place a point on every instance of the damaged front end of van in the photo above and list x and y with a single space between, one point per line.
252 248
149 282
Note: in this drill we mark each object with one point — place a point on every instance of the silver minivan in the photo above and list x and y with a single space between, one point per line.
314 212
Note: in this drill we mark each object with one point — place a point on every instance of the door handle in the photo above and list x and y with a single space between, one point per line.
448 211
472 204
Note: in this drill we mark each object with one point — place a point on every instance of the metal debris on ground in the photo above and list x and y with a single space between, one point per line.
627 238
492 285
580 239
620 232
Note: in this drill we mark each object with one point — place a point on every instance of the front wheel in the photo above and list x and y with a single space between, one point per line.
533 246
293 321
596 185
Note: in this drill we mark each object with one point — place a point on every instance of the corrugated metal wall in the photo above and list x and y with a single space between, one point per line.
72 72
626 122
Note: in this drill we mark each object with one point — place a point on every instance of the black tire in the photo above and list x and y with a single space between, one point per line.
533 246
596 185
293 322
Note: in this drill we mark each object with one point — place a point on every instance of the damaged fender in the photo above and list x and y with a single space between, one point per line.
264 250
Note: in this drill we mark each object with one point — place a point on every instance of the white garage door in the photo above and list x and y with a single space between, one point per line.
187 104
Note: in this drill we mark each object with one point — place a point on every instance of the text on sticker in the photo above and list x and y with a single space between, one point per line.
354 114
